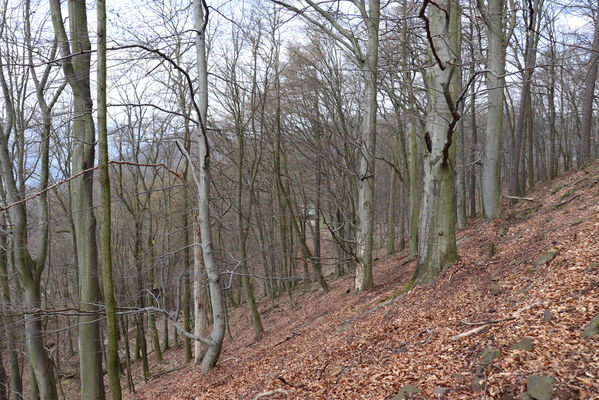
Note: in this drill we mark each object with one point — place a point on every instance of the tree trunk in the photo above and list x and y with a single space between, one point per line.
437 245
364 234
495 84
590 81
525 97
199 306
77 72
212 271
112 352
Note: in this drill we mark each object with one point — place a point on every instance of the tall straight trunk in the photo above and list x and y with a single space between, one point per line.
242 231
525 95
112 351
530 143
413 145
391 212
460 143
365 209
76 68
461 216
364 234
203 185
584 147
437 240
186 282
318 189
551 104
497 39
472 175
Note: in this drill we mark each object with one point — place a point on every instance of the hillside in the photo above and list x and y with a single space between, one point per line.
346 346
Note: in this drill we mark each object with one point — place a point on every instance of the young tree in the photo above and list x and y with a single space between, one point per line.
76 59
367 60
112 351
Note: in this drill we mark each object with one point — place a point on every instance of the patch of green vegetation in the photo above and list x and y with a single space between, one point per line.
568 193
577 221
401 291
557 189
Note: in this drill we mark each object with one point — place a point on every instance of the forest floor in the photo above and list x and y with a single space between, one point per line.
339 345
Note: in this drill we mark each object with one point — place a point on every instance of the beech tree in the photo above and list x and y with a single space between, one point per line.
76 59
437 242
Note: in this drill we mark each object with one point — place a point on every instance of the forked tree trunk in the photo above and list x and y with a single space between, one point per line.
437 244
76 68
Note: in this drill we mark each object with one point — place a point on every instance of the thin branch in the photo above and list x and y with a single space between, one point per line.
427 28
35 195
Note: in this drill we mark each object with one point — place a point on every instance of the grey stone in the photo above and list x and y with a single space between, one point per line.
478 382
440 391
496 290
402 349
524 344
525 396
592 327
539 387
546 257
508 396
487 355
547 315
405 391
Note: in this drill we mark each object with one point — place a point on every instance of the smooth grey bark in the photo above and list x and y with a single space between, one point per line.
365 210
29 268
584 148
530 54
112 349
203 185
76 67
495 17
437 241
367 61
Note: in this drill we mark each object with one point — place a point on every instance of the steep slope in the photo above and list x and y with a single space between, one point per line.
339 345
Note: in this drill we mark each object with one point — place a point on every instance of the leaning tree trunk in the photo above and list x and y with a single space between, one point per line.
437 245
212 271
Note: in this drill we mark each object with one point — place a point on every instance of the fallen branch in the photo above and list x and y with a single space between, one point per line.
481 327
567 201
270 393
496 321
469 333
165 373
519 198
294 334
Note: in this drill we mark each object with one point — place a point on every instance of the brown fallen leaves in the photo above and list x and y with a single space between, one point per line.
331 347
